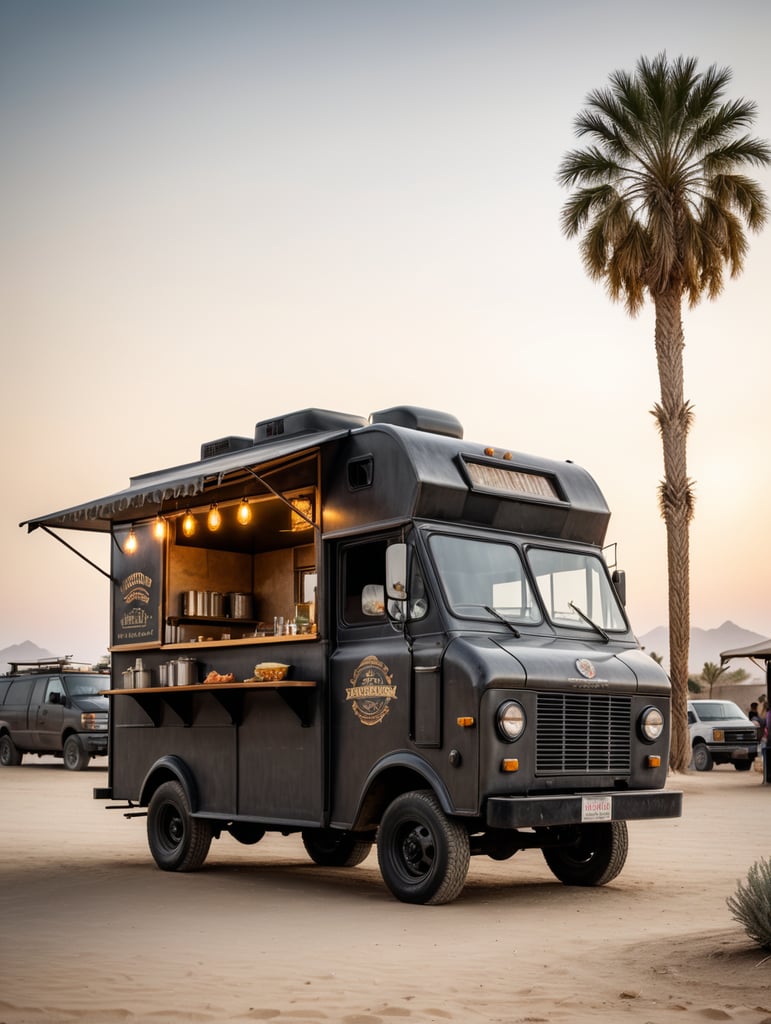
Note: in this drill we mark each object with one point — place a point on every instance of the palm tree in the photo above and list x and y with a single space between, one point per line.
711 673
661 207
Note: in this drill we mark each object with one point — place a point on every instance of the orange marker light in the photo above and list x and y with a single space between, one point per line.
465 721
654 761
510 764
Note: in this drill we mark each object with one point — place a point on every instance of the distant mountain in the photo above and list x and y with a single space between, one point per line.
21 652
706 645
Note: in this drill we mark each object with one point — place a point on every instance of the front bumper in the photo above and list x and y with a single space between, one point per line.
569 809
94 743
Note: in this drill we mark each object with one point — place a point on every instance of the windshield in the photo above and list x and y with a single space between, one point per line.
573 582
481 578
716 710
86 685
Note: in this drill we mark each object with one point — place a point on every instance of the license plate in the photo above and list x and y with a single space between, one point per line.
596 808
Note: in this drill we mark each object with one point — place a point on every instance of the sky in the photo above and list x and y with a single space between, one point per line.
215 213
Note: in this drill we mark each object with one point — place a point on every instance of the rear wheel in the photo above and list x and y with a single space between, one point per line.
423 854
75 757
178 841
593 855
9 755
702 759
331 849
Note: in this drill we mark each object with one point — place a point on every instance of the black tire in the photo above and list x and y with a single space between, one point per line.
75 757
178 842
743 766
423 854
331 849
594 856
702 759
9 754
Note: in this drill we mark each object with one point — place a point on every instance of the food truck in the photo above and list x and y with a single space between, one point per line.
373 631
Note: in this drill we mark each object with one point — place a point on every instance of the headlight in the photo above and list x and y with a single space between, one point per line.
93 722
651 724
511 720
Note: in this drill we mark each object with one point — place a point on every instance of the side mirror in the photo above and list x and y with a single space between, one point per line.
55 698
396 572
619 583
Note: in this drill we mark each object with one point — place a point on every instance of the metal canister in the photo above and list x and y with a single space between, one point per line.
240 606
186 672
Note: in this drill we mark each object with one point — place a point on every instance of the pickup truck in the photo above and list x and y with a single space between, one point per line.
53 708
721 734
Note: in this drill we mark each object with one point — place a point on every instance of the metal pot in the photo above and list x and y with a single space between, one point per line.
240 606
186 672
142 677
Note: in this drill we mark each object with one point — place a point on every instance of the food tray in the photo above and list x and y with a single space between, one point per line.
269 672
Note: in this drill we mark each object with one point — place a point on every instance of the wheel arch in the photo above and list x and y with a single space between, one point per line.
396 774
169 768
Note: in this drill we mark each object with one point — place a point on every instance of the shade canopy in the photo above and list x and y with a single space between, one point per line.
761 651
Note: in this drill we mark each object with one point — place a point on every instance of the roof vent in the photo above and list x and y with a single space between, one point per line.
307 421
429 420
223 445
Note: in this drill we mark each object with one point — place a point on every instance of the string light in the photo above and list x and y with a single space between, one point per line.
244 513
159 527
188 524
214 519
131 542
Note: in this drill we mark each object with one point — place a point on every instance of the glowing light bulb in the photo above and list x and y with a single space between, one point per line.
159 528
188 524
131 542
244 512
214 519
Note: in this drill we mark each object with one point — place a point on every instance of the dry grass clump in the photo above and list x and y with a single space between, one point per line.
750 905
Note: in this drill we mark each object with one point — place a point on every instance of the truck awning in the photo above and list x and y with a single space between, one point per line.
147 493
760 651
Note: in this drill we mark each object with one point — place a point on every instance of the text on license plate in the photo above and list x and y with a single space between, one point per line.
596 808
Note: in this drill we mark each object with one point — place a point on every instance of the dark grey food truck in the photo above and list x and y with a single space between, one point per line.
377 632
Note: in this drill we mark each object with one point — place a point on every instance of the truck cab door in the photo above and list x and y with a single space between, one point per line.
370 672
51 700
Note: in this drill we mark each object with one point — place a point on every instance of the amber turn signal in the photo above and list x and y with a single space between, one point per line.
510 764
465 721
654 761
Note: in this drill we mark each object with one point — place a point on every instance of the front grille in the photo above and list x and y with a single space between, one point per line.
741 735
583 734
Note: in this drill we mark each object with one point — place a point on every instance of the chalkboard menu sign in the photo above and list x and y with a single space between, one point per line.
136 590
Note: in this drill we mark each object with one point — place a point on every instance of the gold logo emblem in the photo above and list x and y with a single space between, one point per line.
371 691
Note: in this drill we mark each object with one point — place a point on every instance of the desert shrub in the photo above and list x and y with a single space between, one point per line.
750 905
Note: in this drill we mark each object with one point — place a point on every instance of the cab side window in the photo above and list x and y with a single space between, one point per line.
363 576
55 693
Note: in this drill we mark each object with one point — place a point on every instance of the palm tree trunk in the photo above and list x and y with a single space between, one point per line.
673 416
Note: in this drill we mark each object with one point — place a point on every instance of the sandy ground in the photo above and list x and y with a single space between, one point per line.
93 932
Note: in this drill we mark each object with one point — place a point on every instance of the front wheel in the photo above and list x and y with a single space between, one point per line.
9 754
702 759
178 841
330 849
75 757
423 854
592 855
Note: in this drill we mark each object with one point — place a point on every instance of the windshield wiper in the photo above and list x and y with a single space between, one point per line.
585 617
504 620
